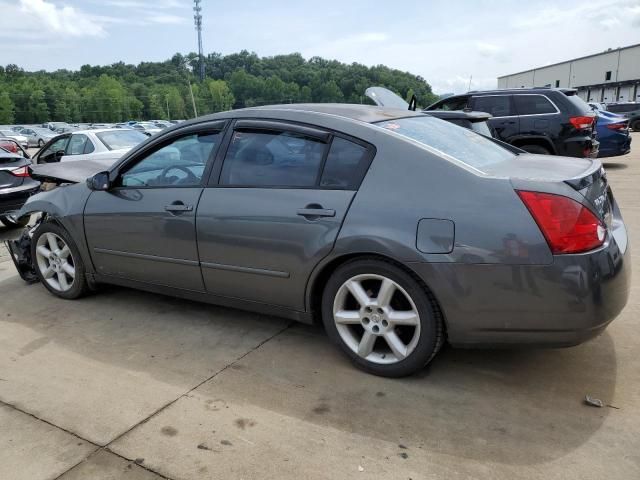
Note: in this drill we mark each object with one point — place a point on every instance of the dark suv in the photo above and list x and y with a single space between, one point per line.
631 110
550 121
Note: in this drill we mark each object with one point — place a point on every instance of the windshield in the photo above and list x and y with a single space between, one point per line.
119 139
457 142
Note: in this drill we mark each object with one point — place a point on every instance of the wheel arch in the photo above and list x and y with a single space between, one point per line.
315 285
534 140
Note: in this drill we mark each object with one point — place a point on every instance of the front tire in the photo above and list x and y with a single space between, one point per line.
382 317
15 222
57 262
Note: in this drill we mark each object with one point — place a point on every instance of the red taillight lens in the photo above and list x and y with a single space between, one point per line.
617 126
567 225
20 172
582 123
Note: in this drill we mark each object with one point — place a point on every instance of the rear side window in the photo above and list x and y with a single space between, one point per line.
76 145
496 105
346 164
259 158
533 105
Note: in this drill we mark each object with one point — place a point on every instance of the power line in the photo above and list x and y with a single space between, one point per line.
198 23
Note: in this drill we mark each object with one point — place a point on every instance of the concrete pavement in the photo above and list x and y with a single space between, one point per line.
125 384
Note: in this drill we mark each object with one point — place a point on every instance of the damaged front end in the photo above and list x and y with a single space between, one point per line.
20 251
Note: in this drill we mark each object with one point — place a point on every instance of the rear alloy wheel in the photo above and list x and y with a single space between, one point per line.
57 262
537 149
11 221
381 317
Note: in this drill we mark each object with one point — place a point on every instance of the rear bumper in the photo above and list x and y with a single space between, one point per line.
582 147
615 146
15 198
562 304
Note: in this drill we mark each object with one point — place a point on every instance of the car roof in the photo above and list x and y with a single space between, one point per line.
361 113
541 90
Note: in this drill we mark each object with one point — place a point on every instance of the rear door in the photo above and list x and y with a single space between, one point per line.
275 209
504 121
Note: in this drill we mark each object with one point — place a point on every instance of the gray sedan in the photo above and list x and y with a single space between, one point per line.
397 230
37 136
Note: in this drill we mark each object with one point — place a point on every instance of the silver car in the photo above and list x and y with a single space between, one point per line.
37 136
18 137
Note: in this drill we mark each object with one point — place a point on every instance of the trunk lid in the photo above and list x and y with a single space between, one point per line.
584 175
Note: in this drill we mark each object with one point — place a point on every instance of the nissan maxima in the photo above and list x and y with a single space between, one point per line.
397 230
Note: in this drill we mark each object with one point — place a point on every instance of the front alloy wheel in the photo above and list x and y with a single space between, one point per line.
55 262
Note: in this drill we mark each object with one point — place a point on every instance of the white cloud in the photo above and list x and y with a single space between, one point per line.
65 20
166 19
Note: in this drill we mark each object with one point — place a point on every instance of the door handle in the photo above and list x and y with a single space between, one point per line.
312 212
178 207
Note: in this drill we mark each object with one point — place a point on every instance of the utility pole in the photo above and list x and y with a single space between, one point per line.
470 78
198 22
168 113
193 102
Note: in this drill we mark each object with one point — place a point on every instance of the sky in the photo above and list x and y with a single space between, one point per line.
445 42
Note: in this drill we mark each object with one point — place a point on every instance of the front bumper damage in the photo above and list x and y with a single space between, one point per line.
20 251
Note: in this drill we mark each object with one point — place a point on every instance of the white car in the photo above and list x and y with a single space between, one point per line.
102 144
21 139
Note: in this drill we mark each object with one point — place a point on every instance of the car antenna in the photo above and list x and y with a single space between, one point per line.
413 103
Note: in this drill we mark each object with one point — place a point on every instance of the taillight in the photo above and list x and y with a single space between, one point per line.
617 126
568 226
20 172
582 123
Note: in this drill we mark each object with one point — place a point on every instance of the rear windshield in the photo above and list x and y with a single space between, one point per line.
630 107
119 139
580 104
460 143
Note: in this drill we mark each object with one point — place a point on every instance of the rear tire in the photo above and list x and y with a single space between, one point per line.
15 222
537 149
390 326
57 262
635 126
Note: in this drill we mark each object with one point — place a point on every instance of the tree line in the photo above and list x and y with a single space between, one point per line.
170 89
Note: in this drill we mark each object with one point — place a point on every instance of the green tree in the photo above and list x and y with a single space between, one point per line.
222 98
7 108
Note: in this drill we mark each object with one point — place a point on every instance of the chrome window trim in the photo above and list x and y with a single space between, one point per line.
557 112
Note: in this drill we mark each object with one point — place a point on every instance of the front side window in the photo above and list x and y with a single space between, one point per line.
459 143
346 164
178 164
260 158
533 105
76 145
496 105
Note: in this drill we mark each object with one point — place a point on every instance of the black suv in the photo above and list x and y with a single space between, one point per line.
631 110
550 121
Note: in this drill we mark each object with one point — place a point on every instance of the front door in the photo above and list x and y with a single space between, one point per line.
282 195
144 228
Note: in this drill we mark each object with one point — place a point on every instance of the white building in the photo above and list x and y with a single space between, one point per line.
611 76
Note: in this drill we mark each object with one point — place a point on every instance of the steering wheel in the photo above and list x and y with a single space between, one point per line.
163 180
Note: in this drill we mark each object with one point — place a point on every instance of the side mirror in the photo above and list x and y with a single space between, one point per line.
58 155
99 182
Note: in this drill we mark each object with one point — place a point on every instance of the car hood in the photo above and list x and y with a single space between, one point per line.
70 172
383 97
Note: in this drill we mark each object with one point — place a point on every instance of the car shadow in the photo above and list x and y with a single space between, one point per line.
614 166
517 407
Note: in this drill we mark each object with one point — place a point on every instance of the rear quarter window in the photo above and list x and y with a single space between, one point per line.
456 142
346 165
533 105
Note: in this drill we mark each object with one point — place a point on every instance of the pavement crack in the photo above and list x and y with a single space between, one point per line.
183 395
